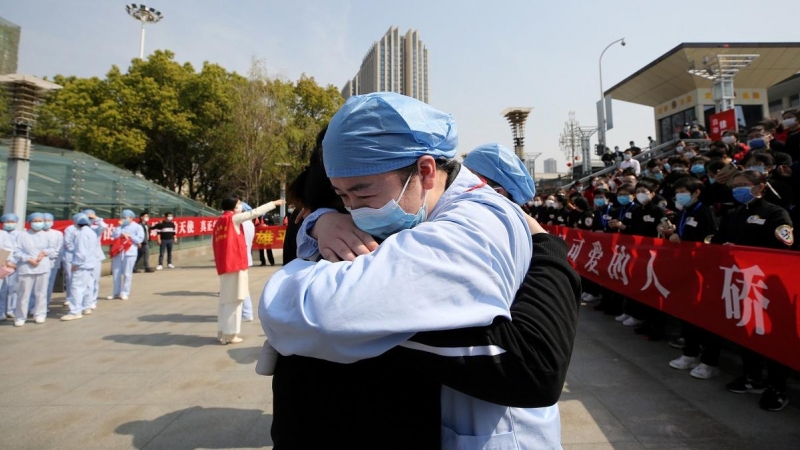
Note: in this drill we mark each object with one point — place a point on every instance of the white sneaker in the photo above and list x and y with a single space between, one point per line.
705 372
87 311
111 297
66 303
632 322
247 319
39 320
684 362
10 315
93 307
124 297
592 299
170 266
19 322
622 318
69 317
159 267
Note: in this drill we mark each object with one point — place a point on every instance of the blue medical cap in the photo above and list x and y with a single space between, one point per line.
81 219
10 217
501 165
35 216
383 131
48 217
88 212
246 207
127 214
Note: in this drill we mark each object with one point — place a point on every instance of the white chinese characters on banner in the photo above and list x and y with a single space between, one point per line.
575 250
652 278
594 256
745 302
618 267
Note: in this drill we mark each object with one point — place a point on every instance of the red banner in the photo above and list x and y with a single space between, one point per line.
747 295
267 237
722 122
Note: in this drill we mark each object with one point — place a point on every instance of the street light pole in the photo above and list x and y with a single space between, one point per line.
602 125
144 15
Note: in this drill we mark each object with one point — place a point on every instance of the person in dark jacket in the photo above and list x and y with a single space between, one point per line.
695 223
757 223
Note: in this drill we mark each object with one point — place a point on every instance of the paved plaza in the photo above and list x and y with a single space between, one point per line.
147 373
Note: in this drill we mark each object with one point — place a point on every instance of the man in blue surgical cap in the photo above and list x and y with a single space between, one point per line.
453 255
502 170
99 227
123 262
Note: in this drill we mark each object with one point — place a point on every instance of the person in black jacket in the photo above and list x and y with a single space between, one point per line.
144 247
757 223
695 222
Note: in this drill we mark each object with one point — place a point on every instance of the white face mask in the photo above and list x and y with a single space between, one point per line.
728 139
789 122
679 149
643 198
550 203
691 155
537 203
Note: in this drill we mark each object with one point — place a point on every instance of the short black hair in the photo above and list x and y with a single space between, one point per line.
753 176
647 184
761 157
144 213
689 183
581 203
601 191
229 202
168 213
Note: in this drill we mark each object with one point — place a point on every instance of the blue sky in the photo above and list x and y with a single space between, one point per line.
484 56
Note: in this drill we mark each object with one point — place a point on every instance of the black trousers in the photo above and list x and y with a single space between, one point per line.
754 366
695 337
143 255
166 246
270 256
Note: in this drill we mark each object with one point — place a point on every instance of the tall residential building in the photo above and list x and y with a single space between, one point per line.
550 165
9 46
395 63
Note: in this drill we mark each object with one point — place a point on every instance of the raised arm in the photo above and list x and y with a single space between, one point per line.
242 217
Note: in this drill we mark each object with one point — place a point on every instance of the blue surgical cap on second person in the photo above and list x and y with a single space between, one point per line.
127 214
383 131
10 217
501 165
81 219
35 216
48 217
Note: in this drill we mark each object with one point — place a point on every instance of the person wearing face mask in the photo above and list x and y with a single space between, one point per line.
83 257
791 122
122 263
628 161
536 206
736 149
561 211
389 157
778 189
757 223
56 242
547 214
167 237
695 222
32 256
230 258
144 247
697 167
8 288
99 227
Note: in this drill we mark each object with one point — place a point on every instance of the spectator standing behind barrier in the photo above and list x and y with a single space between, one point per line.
757 223
736 150
266 220
695 222
635 151
167 237
122 262
791 122
144 247
628 161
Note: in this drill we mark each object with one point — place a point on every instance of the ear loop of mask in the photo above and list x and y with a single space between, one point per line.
424 199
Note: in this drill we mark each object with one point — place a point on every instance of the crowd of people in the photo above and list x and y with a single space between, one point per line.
34 255
732 192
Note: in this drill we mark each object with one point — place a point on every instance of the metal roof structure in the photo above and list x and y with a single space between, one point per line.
668 76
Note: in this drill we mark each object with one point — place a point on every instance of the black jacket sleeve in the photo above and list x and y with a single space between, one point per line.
537 342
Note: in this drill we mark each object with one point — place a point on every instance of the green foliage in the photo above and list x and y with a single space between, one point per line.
201 134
